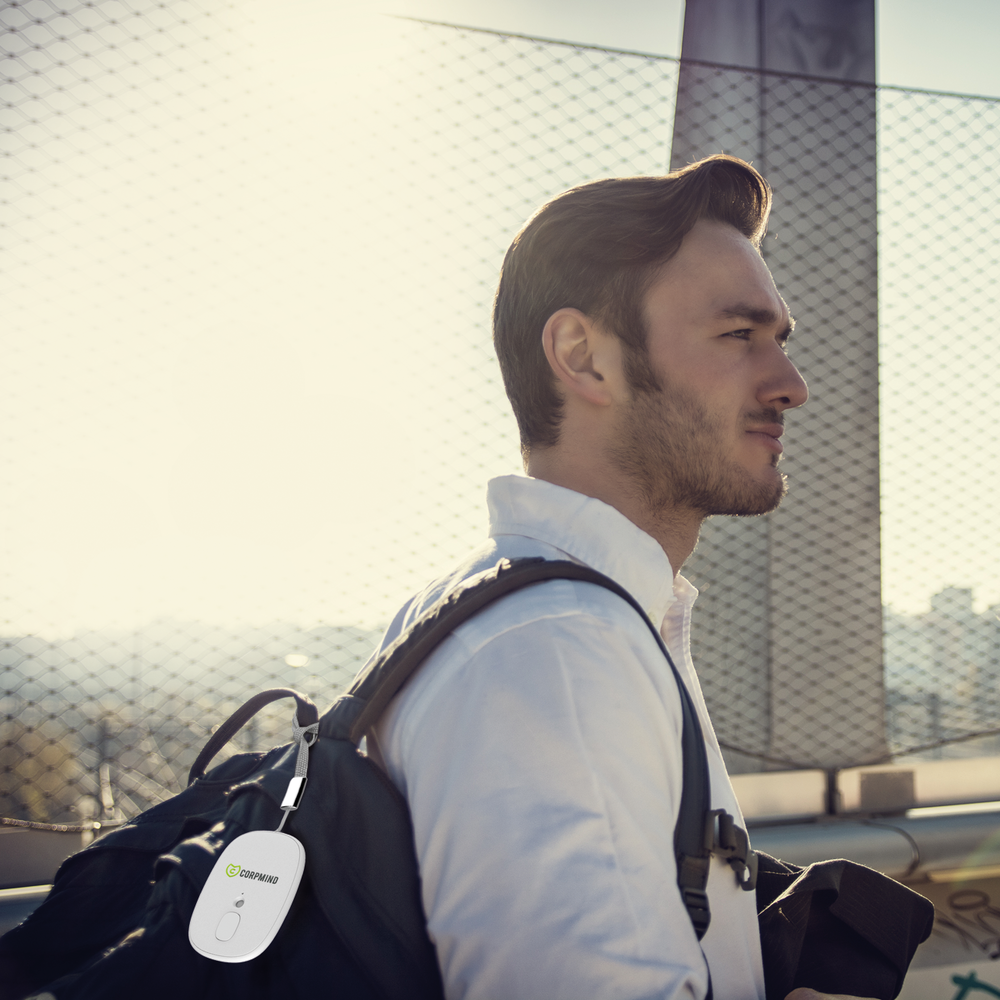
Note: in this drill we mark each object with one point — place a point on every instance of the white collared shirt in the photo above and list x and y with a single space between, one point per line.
539 750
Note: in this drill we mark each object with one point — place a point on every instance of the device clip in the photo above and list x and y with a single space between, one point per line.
304 737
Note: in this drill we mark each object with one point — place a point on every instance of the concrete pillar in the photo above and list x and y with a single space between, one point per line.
788 633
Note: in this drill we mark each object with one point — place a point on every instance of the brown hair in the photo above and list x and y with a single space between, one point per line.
597 248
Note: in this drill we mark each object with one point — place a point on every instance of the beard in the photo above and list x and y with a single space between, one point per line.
673 453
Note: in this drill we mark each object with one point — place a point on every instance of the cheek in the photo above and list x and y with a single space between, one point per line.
721 383
725 394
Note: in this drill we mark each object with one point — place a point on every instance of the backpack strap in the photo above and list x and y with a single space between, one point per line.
695 835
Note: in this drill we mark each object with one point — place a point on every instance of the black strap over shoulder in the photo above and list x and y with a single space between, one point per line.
694 835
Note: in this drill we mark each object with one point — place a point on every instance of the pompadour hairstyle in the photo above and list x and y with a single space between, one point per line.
597 248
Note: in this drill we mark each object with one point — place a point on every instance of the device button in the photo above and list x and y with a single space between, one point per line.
227 926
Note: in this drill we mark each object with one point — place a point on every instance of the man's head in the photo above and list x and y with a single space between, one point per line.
716 328
641 340
597 248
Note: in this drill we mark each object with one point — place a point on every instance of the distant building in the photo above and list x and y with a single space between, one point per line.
942 673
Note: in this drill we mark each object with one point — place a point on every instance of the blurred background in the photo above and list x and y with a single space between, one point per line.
250 402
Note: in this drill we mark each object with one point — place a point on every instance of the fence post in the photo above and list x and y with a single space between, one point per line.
791 607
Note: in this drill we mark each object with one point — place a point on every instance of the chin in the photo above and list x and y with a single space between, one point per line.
751 497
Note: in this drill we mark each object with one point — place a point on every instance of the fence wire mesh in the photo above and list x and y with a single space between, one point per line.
252 401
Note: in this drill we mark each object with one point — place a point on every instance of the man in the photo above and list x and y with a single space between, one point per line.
642 345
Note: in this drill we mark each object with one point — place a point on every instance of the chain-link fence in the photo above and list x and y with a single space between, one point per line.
249 387
940 429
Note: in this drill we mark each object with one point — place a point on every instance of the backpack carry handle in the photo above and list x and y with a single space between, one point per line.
306 714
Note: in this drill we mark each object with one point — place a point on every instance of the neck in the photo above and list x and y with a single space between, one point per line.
676 529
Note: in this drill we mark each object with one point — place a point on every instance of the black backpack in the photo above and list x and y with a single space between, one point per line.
116 921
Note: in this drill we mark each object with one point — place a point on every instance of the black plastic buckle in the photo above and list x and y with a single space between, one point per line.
725 839
746 871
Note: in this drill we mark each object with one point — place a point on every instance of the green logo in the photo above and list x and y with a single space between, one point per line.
232 870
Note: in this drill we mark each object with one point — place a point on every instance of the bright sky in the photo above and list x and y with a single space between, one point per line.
248 375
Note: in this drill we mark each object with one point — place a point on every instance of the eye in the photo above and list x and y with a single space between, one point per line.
739 334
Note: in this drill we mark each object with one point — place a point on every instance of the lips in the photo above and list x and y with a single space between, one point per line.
768 435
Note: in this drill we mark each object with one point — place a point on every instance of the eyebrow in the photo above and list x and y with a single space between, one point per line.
761 317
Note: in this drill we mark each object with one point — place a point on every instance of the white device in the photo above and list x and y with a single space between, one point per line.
247 895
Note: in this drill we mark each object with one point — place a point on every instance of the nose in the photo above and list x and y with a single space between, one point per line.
785 388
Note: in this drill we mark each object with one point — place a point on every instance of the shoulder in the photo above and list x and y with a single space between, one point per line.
554 601
556 620
554 609
561 653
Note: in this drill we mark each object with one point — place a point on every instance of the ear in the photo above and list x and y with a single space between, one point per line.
579 355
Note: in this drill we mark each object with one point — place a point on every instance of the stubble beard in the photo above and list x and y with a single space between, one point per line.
671 450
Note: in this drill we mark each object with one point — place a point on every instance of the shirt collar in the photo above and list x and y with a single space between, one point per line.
593 533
